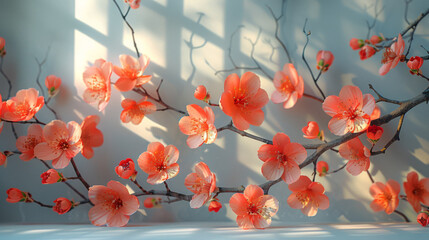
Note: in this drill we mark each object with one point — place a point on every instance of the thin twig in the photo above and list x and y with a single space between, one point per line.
402 215
383 99
393 139
138 185
76 170
124 17
276 20
306 63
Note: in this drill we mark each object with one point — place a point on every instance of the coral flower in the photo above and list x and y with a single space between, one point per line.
350 112
23 106
53 84
376 113
282 159
2 50
202 183
202 94
26 144
392 56
15 195
1 123
312 131
253 208
135 111
289 86
131 73
356 44
3 159
62 142
417 191
152 202
113 204
357 154
126 169
415 63
322 168
243 100
308 196
51 176
199 125
215 206
159 162
134 4
324 60
385 196
97 81
374 132
62 205
91 136
423 219
375 39
366 52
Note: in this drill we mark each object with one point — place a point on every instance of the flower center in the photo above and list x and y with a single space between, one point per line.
63 145
282 158
252 209
30 142
240 98
287 86
417 191
96 82
388 56
303 198
117 203
22 109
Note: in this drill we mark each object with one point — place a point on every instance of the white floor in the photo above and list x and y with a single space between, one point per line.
208 231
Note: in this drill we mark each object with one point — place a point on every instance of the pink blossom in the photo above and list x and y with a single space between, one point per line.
113 204
253 208
131 73
356 44
312 131
51 176
202 94
357 154
375 39
26 144
15 195
159 162
62 142
243 100
62 205
23 106
282 159
91 136
289 86
134 4
199 125
350 111
135 111
126 169
415 63
308 196
97 81
202 183
392 56
385 196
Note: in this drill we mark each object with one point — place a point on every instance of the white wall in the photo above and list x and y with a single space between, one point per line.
79 32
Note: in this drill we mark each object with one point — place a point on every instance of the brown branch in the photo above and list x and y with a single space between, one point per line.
76 170
313 97
337 170
276 20
42 204
157 99
139 186
315 79
230 127
9 82
402 215
383 99
393 139
36 121
124 17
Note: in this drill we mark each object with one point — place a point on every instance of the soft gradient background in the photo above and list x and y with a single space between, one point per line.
187 42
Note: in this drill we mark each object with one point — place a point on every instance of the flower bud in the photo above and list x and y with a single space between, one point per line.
202 94
215 206
324 60
366 52
374 133
322 168
51 176
356 44
53 84
415 63
312 131
15 195
62 205
2 50
3 159
375 39
126 169
152 202
423 218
